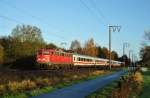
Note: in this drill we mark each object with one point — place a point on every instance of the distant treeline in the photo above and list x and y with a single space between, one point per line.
18 50
145 50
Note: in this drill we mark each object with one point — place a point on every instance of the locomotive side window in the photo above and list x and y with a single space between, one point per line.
61 54
57 53
45 53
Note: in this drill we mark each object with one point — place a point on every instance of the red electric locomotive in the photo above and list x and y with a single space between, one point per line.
53 58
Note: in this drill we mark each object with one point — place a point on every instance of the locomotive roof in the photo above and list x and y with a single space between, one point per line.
52 50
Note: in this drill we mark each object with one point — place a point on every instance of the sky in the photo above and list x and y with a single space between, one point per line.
63 21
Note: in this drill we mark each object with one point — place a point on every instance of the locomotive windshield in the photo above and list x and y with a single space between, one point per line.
40 52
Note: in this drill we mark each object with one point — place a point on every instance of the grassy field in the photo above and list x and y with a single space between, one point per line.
26 84
146 85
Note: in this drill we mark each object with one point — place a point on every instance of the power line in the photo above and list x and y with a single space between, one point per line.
89 9
33 16
19 22
24 11
99 11
11 19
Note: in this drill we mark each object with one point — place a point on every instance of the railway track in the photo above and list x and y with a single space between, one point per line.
82 69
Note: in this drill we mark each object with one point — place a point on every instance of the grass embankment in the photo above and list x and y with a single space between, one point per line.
128 86
146 85
27 84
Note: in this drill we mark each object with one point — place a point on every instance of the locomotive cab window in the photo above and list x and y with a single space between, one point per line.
39 52
52 53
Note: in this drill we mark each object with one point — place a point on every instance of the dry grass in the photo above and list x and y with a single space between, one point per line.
15 86
130 87
138 77
14 82
41 82
99 72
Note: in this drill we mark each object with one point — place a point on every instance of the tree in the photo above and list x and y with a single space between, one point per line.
106 52
25 41
125 59
5 42
1 55
145 55
76 46
101 53
114 55
147 36
145 50
50 46
90 48
27 33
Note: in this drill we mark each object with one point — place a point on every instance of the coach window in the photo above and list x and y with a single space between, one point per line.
74 58
83 59
79 59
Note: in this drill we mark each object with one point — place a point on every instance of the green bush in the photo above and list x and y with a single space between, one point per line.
2 89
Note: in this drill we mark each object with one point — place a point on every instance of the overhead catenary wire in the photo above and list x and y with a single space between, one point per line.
11 19
91 11
21 10
99 11
20 22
